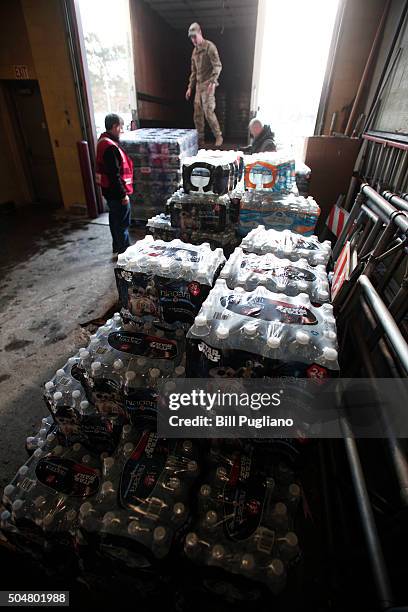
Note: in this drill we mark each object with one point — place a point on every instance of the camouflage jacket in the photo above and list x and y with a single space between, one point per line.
205 64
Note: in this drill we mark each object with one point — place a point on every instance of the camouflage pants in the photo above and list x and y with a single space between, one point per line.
204 107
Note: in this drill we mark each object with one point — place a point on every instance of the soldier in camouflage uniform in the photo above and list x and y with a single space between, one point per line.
205 69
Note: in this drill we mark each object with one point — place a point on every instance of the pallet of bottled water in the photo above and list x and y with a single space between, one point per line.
278 211
245 518
166 281
157 154
249 271
111 382
273 171
144 499
159 226
287 245
256 334
204 212
216 172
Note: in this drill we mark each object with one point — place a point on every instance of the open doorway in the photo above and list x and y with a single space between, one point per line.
293 44
30 128
108 44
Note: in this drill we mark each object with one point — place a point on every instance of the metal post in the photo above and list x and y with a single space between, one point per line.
395 447
392 266
375 230
396 339
367 519
355 211
396 201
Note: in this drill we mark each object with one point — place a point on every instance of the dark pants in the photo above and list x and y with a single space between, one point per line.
119 222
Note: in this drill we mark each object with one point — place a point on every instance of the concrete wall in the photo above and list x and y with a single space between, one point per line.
361 19
46 33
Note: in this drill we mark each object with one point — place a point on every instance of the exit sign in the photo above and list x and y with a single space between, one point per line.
21 71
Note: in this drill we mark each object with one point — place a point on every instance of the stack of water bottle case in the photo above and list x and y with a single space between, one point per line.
157 154
100 487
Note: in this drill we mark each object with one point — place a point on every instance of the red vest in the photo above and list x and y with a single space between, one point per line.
126 167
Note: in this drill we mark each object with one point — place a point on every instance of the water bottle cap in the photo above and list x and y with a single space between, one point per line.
217 552
37 452
211 517
294 490
154 373
23 470
30 439
273 341
57 396
192 466
205 490
17 505
108 463
60 372
76 394
39 501
128 447
247 562
330 353
179 509
200 320
84 405
191 539
118 364
108 517
133 527
280 508
141 361
159 534
276 567
85 508
86 459
302 337
222 332
126 429
8 490
291 539
250 329
96 365
130 375
180 371
50 438
49 385
76 447
303 298
107 487
5 515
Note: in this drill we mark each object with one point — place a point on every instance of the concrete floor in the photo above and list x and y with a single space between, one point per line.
56 274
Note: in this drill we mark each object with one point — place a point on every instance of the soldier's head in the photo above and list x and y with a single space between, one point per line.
255 127
195 34
114 125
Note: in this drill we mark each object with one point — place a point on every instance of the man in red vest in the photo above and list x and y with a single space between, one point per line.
114 173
